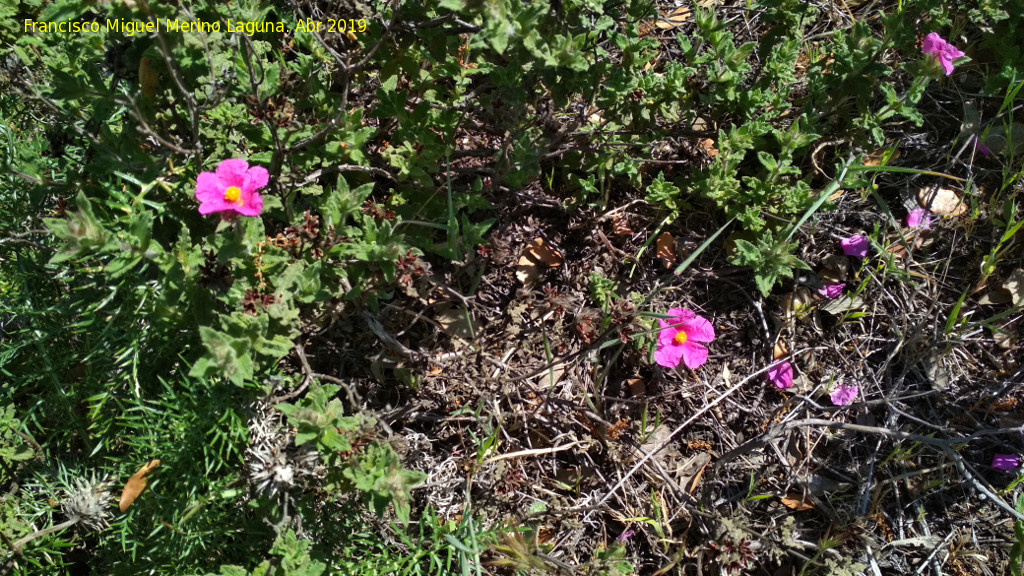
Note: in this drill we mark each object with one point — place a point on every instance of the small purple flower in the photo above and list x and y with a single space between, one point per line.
943 51
856 246
1005 462
919 218
624 536
832 291
781 375
843 395
981 148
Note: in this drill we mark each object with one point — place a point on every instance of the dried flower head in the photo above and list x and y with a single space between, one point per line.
89 503
275 464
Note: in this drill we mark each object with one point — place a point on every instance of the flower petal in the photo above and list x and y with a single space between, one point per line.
1005 461
843 395
694 355
933 43
668 356
781 375
252 204
668 331
256 177
207 188
232 172
919 218
699 329
215 205
832 291
856 246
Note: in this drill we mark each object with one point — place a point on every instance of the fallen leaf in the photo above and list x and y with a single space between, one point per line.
666 249
636 386
797 502
780 350
536 257
707 145
836 195
135 485
620 226
675 18
941 201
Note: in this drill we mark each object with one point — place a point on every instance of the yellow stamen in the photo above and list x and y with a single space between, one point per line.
233 194
680 338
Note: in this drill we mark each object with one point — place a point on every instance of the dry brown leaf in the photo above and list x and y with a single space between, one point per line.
914 239
699 475
666 249
941 201
707 145
797 502
675 18
620 226
135 485
836 195
637 387
780 350
536 258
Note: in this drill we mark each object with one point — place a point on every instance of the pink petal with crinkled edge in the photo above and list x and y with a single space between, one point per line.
669 355
256 177
206 187
932 44
843 395
699 330
232 173
694 355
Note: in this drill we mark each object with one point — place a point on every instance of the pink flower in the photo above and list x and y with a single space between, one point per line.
679 337
919 218
781 375
832 291
856 246
843 395
232 188
943 51
1005 461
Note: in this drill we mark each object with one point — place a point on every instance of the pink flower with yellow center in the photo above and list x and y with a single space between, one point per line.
679 339
232 188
